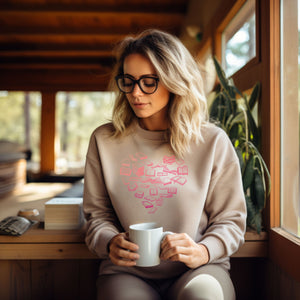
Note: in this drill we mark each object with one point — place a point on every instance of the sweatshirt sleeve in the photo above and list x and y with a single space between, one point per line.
225 204
102 222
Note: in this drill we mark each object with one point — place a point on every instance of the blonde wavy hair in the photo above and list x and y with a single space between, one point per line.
180 74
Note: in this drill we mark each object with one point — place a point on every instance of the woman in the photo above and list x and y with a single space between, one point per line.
160 160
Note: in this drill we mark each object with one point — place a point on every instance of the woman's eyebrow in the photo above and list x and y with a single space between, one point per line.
144 75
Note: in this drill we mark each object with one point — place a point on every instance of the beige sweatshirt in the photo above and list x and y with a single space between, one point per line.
138 179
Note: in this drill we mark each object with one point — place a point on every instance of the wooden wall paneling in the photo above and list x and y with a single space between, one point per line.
4 279
284 251
249 277
280 285
55 279
88 273
15 280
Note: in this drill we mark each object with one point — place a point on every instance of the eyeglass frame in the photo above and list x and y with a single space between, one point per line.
137 81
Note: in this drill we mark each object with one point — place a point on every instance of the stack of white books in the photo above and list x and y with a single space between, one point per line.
64 213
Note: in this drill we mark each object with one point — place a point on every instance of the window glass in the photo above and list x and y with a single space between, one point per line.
298 10
77 115
20 114
290 59
239 39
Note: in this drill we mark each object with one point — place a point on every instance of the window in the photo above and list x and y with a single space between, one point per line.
20 114
239 39
290 64
77 115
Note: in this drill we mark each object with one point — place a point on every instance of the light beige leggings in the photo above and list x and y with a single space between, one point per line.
209 282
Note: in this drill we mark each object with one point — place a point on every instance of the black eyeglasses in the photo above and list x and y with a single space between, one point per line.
147 84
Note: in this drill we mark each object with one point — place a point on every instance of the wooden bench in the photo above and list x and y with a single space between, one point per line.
56 264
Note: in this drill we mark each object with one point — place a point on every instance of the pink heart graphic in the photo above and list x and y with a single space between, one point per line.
153 182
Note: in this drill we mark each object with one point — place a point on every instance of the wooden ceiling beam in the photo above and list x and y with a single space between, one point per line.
20 22
57 38
55 53
67 44
104 64
93 67
83 14
103 5
59 42
51 80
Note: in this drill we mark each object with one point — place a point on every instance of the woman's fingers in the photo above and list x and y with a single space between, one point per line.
175 247
176 239
122 251
180 247
177 244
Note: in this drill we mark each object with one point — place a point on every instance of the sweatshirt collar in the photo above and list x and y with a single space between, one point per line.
151 135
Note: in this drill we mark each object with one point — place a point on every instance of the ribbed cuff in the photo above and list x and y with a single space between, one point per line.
102 245
214 246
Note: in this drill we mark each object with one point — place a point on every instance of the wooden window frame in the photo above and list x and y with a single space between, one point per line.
265 67
240 15
284 248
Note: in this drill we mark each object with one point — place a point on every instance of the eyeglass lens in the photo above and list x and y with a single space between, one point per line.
148 85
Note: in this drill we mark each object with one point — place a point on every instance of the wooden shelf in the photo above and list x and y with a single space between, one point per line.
39 244
255 245
41 236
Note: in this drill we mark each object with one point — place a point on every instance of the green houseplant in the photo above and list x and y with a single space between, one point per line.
232 111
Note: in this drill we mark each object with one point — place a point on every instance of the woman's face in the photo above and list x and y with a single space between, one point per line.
152 109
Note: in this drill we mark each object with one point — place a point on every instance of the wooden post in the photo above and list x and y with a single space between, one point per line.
47 133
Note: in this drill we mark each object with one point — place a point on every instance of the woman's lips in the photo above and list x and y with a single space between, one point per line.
140 105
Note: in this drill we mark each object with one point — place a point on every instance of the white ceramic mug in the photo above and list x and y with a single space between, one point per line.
148 236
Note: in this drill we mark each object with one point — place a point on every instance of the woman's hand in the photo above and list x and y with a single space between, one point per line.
122 251
180 247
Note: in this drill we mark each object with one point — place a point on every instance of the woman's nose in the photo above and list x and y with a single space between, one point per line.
137 90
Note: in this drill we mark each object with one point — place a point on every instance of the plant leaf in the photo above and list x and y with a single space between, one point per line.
235 91
250 211
264 169
234 132
254 219
240 157
238 118
220 109
248 173
259 190
253 130
254 96
221 74
233 111
257 221
213 113
227 108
